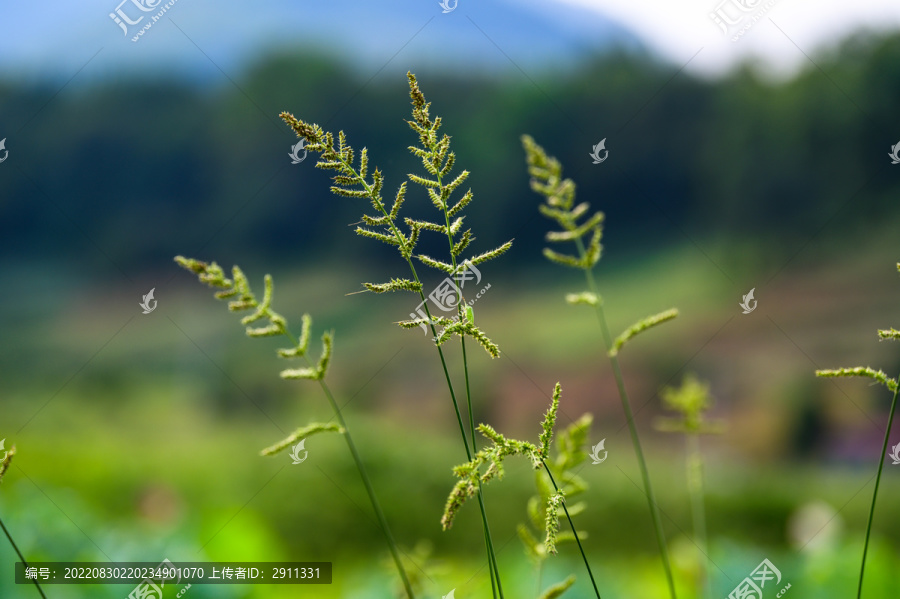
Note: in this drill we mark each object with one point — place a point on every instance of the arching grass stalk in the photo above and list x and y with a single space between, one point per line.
438 161
489 544
4 465
892 385
364 475
887 433
612 352
559 193
487 465
433 153
212 275
691 401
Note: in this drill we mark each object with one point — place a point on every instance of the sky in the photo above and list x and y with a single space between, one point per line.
787 32
56 39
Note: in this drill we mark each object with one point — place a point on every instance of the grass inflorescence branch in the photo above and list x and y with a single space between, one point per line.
487 465
239 287
387 226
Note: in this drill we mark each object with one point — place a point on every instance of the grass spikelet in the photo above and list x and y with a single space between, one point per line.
301 433
490 255
7 460
299 350
585 297
394 285
640 327
325 358
466 328
308 373
558 589
863 371
890 333
549 422
551 524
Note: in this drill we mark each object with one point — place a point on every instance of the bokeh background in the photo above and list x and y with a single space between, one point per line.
758 163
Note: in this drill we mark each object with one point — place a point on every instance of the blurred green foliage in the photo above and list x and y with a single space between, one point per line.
150 168
139 435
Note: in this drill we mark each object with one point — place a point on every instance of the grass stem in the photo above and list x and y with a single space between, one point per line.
367 483
492 558
574 532
698 511
21 557
495 572
887 435
629 417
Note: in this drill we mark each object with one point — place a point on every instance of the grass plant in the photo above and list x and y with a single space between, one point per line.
893 386
559 206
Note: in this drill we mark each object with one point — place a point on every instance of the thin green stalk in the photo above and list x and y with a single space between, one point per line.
695 491
382 520
574 532
887 435
495 571
492 558
626 406
21 557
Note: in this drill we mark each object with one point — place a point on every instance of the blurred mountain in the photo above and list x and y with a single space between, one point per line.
128 171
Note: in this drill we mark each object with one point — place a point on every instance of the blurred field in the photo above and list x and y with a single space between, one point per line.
138 436
150 450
